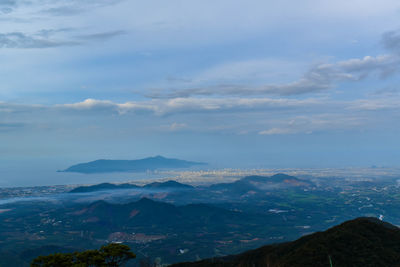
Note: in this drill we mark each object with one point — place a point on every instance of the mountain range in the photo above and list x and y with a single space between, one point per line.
249 183
168 185
262 183
161 215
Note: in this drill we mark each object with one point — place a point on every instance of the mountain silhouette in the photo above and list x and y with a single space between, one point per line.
168 185
359 242
139 165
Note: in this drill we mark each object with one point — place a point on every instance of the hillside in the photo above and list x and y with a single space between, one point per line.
168 185
360 242
146 215
248 183
262 183
101 187
140 165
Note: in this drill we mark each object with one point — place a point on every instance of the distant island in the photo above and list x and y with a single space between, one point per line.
139 165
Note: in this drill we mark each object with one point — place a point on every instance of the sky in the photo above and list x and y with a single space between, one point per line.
253 83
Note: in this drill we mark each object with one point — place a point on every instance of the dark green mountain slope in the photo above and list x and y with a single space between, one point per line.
167 185
101 187
148 216
360 242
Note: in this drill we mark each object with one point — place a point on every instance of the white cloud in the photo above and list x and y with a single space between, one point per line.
308 124
89 104
276 131
183 105
265 116
318 78
375 104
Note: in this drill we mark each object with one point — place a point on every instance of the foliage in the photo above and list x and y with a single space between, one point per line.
364 242
111 255
116 254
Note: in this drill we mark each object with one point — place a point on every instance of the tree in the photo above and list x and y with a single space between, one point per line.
111 255
57 259
90 258
116 254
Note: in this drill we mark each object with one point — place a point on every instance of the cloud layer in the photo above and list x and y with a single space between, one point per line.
263 116
318 78
181 76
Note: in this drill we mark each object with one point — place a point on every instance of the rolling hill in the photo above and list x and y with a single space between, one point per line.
262 183
168 185
149 215
248 183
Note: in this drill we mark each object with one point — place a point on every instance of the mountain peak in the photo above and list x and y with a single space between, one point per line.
167 184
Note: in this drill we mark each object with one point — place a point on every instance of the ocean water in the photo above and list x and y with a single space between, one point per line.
28 173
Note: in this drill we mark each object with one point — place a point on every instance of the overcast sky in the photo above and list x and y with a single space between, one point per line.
305 83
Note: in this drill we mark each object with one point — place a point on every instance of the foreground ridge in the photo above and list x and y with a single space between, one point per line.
360 242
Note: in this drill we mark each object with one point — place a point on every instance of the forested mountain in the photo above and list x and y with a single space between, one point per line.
359 242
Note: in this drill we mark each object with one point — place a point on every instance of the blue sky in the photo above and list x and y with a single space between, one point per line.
236 83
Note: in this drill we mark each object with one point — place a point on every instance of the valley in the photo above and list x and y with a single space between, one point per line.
171 222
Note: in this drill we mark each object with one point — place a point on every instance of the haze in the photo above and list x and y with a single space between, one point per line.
232 83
